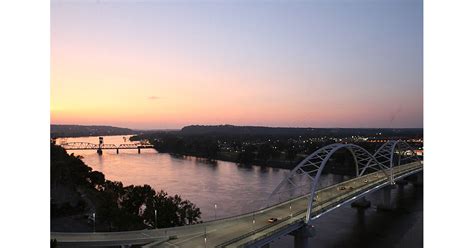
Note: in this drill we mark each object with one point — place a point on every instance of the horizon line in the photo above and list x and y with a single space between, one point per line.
179 128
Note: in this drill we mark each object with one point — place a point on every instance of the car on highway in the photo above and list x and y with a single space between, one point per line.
342 188
272 220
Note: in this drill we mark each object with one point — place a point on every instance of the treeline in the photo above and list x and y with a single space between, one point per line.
275 147
58 131
297 131
206 147
117 207
274 151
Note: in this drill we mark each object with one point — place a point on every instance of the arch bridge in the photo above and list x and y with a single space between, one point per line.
291 209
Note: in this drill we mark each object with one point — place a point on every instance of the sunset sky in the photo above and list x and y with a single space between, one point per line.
167 64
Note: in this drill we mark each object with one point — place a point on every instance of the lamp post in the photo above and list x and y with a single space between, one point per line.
215 211
205 237
156 222
93 219
253 222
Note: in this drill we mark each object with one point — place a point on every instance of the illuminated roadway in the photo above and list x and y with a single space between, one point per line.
242 230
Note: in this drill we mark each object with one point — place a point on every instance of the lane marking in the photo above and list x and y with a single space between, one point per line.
193 237
170 244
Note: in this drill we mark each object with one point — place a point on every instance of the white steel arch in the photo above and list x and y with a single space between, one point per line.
305 176
386 155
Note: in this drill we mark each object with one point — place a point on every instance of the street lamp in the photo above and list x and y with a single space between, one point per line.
215 211
156 224
93 219
253 222
205 237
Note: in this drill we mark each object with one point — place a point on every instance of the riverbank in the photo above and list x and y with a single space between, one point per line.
64 131
287 165
82 199
209 149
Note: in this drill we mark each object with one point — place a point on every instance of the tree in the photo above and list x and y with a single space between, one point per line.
97 179
264 152
171 211
291 152
120 208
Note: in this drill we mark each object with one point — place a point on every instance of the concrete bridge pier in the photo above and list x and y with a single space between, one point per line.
117 151
387 203
416 180
302 235
401 184
138 150
101 142
401 187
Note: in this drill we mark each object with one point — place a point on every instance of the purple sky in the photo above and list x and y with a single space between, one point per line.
166 64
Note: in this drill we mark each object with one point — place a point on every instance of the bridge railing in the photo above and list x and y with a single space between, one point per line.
90 146
250 233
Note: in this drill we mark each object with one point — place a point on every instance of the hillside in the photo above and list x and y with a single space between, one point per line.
79 131
295 131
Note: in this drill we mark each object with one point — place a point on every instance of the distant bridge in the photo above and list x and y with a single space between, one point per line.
101 146
296 203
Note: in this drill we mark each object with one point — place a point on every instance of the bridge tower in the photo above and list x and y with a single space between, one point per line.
101 143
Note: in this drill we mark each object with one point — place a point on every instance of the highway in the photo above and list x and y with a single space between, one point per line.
244 229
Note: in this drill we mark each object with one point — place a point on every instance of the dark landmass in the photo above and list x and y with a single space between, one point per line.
296 131
270 146
77 191
58 131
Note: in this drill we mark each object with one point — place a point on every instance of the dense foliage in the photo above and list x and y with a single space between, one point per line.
80 130
117 207
276 147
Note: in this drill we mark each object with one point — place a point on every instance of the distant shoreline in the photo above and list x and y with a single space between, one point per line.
272 164
88 136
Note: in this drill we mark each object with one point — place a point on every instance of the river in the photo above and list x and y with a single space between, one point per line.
221 189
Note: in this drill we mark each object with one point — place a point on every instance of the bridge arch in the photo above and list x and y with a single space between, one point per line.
312 166
387 155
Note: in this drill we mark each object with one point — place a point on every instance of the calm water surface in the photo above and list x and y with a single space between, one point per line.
235 189
240 189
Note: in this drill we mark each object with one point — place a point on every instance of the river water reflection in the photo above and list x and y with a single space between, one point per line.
235 189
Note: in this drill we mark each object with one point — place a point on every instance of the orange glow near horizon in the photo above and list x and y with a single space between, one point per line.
167 66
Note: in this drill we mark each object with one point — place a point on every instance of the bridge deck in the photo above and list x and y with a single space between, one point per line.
240 230
108 148
92 146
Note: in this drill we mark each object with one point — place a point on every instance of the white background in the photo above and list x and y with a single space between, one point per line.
448 113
